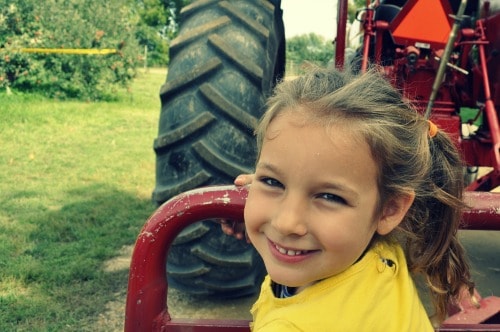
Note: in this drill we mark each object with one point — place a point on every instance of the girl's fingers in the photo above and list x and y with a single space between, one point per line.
243 179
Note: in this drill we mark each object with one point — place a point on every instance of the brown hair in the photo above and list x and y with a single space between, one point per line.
409 160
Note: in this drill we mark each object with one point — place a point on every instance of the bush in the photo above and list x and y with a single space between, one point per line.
80 24
307 49
156 45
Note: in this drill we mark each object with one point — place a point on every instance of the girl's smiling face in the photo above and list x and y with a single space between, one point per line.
312 207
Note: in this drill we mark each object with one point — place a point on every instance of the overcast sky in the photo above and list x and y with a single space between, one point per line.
318 16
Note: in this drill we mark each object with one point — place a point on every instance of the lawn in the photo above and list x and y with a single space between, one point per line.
75 186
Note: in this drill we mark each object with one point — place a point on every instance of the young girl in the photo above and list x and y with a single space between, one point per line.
353 191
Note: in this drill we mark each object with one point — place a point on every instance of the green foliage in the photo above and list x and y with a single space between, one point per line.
80 24
154 16
354 6
155 44
159 20
311 48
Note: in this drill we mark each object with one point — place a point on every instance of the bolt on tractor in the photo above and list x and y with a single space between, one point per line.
444 55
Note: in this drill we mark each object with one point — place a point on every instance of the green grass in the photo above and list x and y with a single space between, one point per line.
75 186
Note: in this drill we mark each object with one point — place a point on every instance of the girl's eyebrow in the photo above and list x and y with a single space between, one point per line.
267 166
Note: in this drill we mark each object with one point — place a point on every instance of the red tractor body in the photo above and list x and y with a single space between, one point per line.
443 60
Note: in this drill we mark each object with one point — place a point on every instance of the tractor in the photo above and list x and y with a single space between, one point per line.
442 54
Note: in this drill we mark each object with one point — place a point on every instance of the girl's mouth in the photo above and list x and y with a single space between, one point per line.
288 255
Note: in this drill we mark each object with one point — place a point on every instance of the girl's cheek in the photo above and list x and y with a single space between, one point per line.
252 212
248 212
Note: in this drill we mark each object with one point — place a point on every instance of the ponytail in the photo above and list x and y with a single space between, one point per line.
433 247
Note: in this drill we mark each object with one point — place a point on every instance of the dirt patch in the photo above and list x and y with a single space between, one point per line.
121 262
114 316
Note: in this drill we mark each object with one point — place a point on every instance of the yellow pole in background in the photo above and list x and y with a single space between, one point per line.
102 51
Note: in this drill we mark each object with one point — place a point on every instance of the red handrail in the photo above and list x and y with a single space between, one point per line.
146 308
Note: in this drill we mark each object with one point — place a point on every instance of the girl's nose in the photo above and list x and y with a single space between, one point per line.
290 219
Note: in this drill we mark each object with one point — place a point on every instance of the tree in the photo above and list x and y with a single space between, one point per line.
67 24
310 47
159 20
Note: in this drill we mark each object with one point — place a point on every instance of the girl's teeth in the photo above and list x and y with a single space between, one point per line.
289 252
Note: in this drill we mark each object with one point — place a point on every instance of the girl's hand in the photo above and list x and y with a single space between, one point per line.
232 228
243 179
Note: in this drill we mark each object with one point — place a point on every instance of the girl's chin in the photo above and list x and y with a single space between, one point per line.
283 278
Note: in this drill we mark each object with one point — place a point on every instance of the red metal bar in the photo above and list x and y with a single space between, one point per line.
469 328
486 182
489 106
368 28
207 325
341 33
484 213
488 309
146 306
380 28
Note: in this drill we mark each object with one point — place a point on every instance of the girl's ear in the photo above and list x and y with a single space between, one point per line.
393 212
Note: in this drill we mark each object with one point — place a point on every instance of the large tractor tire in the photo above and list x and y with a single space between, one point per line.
223 64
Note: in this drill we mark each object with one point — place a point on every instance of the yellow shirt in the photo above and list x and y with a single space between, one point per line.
375 294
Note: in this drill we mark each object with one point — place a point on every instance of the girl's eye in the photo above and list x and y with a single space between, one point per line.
271 182
332 198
